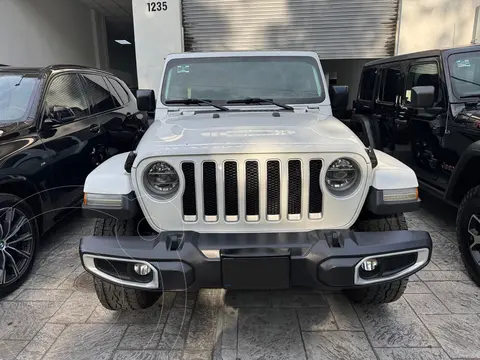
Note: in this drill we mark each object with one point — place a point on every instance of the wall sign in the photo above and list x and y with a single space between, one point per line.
154 6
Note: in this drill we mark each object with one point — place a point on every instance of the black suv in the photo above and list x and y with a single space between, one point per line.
424 109
56 125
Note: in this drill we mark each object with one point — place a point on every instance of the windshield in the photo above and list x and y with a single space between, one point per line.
284 79
465 74
15 93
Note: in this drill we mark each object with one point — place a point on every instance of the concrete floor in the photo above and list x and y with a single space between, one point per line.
56 315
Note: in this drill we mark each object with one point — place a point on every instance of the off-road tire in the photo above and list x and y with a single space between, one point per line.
9 200
469 205
387 292
117 297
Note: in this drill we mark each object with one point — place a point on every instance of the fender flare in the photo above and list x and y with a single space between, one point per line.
470 152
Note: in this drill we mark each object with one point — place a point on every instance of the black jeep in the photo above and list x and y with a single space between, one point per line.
424 109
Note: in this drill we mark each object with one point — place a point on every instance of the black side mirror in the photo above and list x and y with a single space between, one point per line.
146 100
339 99
423 96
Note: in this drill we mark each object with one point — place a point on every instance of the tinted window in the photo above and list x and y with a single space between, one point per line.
287 79
367 85
16 91
99 94
116 98
67 91
389 88
425 74
120 90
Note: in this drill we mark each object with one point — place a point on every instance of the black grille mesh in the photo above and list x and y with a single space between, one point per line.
252 188
231 188
315 194
210 188
294 187
273 188
189 199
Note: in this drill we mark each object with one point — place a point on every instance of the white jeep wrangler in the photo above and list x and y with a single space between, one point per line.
245 180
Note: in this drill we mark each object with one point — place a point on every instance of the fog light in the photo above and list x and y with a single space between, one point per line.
369 265
142 269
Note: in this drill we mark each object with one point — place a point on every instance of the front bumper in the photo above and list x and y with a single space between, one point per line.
318 259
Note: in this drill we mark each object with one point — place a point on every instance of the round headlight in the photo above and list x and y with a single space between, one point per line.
342 176
162 179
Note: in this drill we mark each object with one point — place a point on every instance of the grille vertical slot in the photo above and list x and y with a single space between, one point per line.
210 191
294 189
315 199
189 200
273 190
252 191
231 191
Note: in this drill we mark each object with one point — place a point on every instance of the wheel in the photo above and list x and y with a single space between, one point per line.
386 292
117 297
468 232
18 242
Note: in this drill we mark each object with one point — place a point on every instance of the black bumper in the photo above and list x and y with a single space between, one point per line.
318 259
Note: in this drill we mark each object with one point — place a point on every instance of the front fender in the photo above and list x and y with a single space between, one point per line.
110 177
391 173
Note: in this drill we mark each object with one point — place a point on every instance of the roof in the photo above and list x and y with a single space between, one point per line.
49 68
424 54
240 54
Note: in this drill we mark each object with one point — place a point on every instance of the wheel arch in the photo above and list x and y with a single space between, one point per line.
459 183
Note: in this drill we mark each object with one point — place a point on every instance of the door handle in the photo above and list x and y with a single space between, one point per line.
95 128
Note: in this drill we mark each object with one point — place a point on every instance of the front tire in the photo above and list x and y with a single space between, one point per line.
386 292
117 297
468 233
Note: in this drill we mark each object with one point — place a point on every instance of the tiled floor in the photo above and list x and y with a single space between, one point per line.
56 315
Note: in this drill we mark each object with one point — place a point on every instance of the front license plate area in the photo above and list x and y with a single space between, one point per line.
255 273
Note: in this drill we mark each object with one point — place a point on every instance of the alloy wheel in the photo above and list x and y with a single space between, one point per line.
474 238
16 244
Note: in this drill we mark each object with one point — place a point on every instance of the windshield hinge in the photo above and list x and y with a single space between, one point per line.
313 107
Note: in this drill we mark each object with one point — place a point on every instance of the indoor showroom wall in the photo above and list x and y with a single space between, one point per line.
42 32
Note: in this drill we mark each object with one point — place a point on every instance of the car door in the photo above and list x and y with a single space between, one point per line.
69 139
426 126
107 107
386 111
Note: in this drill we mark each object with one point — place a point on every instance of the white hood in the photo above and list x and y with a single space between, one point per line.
248 132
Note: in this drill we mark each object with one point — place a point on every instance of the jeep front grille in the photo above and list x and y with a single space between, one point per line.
248 187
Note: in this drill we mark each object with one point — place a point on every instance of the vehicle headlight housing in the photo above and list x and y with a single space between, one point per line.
343 177
161 179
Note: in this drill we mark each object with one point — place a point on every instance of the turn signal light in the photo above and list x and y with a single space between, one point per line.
410 194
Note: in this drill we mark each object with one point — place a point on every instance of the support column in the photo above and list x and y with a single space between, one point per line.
158 32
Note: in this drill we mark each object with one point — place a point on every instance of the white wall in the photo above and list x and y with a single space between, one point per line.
42 32
432 24
157 34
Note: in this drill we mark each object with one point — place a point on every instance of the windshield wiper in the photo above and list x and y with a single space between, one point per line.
259 101
196 102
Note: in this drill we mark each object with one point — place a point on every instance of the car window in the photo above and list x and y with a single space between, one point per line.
424 74
465 74
99 94
389 88
67 91
367 84
16 93
120 90
116 98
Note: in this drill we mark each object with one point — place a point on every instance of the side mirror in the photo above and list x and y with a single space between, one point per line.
339 99
423 96
146 100
62 114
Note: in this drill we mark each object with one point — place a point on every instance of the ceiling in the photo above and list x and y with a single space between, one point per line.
114 10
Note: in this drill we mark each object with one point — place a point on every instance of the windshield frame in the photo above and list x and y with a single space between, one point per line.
234 57
449 65
34 96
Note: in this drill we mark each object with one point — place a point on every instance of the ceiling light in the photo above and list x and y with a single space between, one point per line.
123 42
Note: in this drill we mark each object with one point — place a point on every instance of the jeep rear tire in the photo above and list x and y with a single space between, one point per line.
386 292
467 225
117 297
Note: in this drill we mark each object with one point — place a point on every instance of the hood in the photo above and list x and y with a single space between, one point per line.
247 132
